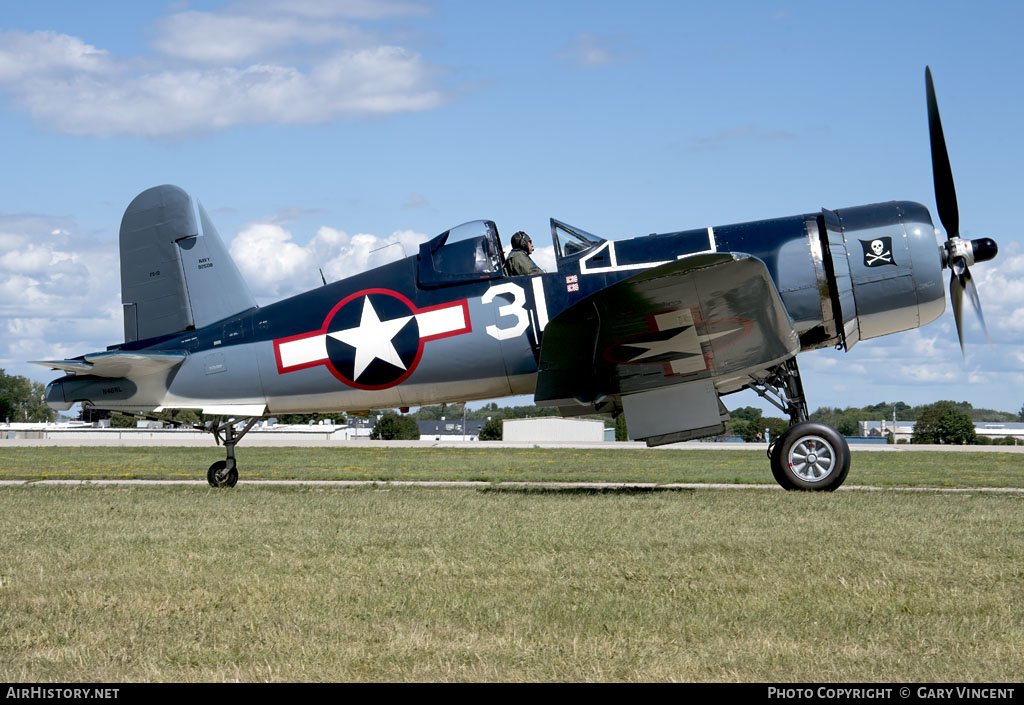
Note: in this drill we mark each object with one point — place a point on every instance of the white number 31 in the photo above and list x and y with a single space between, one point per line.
515 308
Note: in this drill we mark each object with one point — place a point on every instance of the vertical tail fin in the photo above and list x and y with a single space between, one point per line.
176 274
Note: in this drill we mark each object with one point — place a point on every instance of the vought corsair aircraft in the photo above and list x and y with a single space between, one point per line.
659 327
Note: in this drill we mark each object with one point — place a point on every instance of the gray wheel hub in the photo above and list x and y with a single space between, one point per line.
812 459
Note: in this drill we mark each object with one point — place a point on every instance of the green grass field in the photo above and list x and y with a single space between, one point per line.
883 469
270 583
261 583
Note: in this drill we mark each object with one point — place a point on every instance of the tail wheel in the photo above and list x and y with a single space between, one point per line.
810 456
221 474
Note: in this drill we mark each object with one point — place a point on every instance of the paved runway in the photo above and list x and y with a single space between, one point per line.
475 484
255 440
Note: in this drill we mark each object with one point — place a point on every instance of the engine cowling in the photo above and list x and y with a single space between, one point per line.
886 273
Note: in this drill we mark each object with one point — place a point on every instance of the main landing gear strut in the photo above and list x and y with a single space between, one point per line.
808 455
224 473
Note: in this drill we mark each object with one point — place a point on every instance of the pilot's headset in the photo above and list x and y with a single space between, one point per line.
520 240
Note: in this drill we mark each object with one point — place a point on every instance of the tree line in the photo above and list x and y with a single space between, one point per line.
23 400
947 422
944 422
846 420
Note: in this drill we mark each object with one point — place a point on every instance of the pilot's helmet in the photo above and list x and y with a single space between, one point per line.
520 240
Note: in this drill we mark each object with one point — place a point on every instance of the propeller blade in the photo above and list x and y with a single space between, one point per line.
959 251
972 292
956 295
942 174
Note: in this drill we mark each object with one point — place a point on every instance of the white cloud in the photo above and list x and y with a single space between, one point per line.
246 31
414 202
57 295
227 37
287 214
976 377
1000 284
343 255
330 9
270 261
925 364
728 136
822 363
36 54
245 64
352 83
545 258
60 293
275 266
590 51
916 372
925 345
51 276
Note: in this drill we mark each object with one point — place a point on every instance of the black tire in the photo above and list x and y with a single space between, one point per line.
780 477
220 475
810 456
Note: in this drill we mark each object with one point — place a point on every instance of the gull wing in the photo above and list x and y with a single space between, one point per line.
716 316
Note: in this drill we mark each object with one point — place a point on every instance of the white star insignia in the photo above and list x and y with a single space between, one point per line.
372 339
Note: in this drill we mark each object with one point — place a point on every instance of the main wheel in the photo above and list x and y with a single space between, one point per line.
810 456
221 474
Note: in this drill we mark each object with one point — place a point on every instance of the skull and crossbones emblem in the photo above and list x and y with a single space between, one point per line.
878 247
877 252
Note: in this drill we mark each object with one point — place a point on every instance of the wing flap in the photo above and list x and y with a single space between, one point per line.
236 410
117 363
700 317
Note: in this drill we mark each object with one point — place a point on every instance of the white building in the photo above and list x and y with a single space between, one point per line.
903 430
552 428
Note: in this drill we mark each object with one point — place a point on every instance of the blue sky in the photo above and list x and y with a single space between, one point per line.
315 132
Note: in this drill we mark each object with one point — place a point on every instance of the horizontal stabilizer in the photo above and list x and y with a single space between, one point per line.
117 364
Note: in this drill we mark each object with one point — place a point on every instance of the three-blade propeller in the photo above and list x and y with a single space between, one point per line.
959 253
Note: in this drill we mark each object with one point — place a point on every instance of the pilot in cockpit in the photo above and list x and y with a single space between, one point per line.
518 261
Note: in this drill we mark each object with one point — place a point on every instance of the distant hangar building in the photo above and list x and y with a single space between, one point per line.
552 429
904 430
449 430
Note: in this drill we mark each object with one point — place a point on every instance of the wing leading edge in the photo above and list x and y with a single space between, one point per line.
714 317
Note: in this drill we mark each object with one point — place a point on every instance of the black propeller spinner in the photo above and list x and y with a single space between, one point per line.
959 254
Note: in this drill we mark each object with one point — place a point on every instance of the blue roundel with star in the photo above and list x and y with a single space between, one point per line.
373 338
373 341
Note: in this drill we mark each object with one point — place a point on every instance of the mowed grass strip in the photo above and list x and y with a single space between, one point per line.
885 469
294 584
